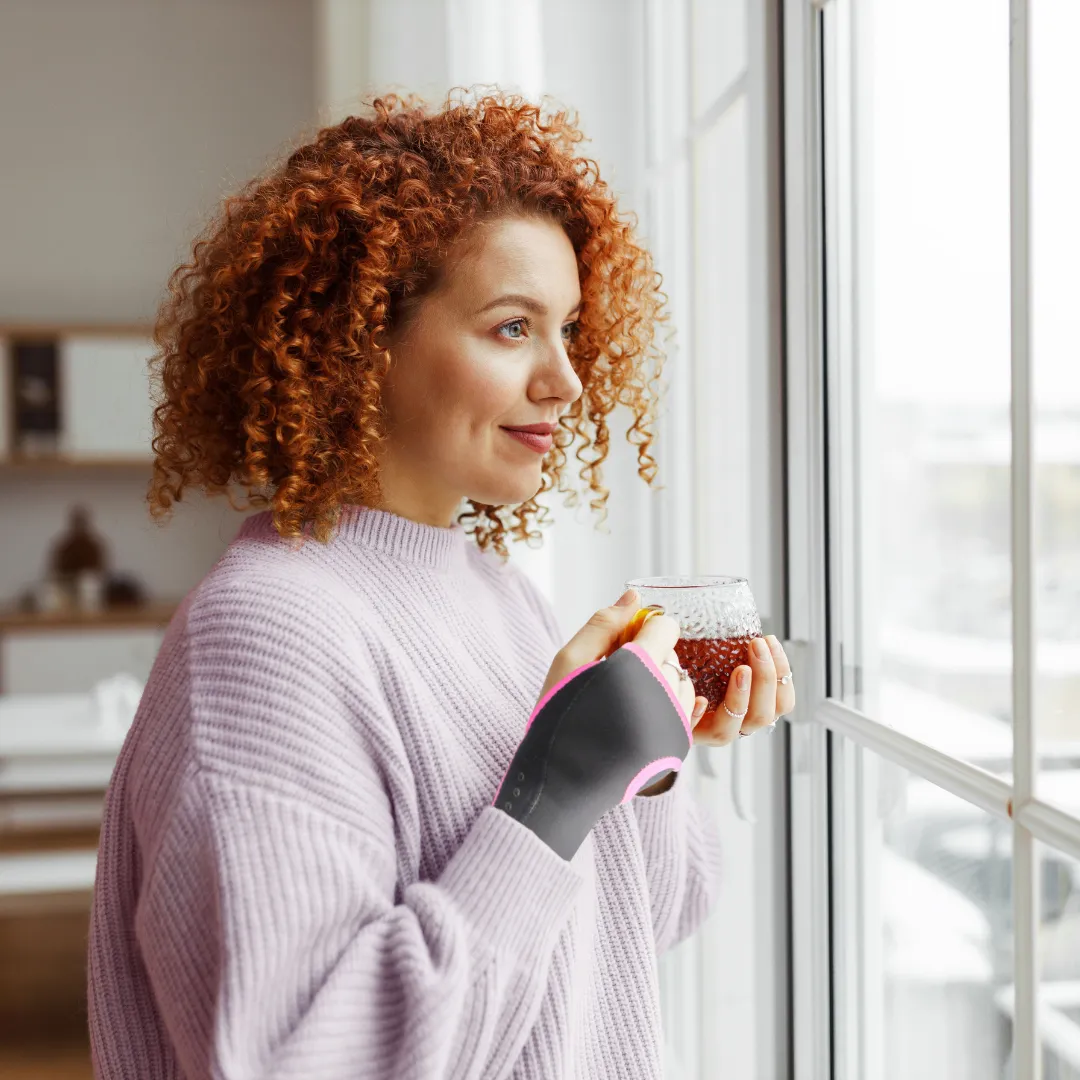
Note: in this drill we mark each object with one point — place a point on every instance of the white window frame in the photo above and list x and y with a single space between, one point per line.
827 1040
748 784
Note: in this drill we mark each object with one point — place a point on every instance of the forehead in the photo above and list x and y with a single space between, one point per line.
523 254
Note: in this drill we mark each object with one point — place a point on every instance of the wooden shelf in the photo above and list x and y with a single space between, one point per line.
66 464
53 330
156 613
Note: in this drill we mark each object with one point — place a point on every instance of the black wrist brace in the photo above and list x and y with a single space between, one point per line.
593 741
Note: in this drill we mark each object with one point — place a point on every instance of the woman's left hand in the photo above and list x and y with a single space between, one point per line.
754 694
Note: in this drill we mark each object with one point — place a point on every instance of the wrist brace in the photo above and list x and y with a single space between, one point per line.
593 741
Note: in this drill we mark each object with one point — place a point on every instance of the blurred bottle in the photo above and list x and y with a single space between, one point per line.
77 562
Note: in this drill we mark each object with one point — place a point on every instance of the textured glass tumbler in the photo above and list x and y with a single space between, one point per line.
717 618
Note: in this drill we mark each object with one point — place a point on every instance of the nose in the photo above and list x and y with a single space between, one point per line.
564 381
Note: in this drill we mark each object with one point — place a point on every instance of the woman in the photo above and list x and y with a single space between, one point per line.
307 868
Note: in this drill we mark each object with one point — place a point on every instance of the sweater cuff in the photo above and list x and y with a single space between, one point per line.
515 891
662 818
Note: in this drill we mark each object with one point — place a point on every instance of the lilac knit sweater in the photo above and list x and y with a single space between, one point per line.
300 872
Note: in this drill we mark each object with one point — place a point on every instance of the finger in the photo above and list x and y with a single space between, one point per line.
762 709
700 705
683 689
719 727
601 633
688 696
658 636
785 692
687 693
595 640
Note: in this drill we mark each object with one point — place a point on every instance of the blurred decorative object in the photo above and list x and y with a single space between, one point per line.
116 699
123 590
123 602
78 552
90 589
49 596
35 376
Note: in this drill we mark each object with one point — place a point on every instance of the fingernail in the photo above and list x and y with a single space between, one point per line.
699 709
774 644
626 599
742 679
761 647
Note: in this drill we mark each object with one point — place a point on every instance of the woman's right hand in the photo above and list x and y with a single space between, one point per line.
616 730
601 634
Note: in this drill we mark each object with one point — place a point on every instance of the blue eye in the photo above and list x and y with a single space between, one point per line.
568 330
514 322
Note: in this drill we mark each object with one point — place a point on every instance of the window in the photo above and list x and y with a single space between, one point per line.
933 537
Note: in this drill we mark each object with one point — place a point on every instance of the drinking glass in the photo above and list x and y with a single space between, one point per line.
717 620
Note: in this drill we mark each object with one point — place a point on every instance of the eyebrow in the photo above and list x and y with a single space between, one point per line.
524 301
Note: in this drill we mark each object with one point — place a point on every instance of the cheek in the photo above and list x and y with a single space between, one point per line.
482 397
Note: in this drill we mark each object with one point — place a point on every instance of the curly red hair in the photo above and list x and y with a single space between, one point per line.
270 343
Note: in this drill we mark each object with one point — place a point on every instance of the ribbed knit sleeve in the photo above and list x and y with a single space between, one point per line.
270 924
681 844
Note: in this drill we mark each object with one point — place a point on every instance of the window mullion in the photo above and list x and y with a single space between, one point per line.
1027 1059
804 390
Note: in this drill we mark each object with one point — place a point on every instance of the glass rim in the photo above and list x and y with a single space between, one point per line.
701 581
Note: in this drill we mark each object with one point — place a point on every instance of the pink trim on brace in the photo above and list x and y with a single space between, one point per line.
650 770
650 663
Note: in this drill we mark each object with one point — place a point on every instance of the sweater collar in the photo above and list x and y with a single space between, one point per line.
361 527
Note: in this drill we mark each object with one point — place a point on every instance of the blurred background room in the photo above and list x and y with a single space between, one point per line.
865 214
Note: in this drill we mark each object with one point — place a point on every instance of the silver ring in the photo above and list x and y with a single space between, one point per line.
787 678
734 715
768 727
682 674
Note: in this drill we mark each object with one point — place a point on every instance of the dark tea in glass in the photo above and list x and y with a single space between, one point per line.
717 620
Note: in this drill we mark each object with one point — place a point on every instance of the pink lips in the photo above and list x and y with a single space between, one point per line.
540 443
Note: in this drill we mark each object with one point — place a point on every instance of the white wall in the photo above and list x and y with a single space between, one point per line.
123 122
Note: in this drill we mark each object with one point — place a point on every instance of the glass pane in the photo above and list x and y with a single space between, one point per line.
1055 332
932 874
922 592
1059 989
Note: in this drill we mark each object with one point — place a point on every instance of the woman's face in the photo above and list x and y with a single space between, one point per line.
472 361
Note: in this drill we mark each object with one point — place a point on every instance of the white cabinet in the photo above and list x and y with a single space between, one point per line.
105 405
73 661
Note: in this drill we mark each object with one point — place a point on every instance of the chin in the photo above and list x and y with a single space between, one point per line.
507 493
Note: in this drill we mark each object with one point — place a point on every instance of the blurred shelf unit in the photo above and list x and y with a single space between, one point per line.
70 651
75 397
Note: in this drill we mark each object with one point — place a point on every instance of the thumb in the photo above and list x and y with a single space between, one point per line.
600 634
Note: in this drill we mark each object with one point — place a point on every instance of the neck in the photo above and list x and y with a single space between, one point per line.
402 497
